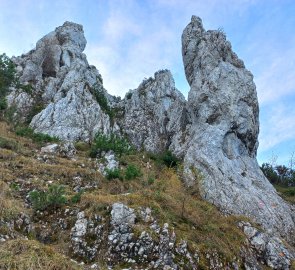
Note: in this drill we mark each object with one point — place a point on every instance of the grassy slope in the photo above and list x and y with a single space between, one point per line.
159 188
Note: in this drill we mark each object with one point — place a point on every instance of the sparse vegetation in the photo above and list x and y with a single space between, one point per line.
29 254
53 198
8 144
132 172
166 158
114 174
7 79
37 137
105 143
101 99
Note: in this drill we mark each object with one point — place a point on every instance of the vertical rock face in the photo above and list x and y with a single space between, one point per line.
154 113
64 86
223 108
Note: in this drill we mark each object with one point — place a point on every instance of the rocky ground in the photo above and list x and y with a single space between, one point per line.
149 222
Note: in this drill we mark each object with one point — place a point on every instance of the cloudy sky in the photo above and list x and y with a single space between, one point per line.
128 40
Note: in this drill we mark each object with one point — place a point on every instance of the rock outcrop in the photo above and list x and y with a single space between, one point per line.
154 113
64 90
223 108
215 131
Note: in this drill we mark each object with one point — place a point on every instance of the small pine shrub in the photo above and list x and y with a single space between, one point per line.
132 172
114 174
53 198
105 143
38 200
56 197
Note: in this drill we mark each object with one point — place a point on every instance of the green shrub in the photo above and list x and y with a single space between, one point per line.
169 159
151 180
105 143
77 197
114 174
53 198
101 99
37 137
132 172
166 158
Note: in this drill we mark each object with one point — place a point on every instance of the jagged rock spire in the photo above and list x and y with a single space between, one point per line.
223 108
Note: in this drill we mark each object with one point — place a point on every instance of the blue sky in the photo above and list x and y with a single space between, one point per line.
129 40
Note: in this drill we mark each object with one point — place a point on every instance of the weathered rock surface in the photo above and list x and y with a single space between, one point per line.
154 113
223 108
63 85
268 249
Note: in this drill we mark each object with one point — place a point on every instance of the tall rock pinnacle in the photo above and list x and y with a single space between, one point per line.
223 108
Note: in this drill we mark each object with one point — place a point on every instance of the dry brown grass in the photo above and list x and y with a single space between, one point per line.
9 207
193 219
31 255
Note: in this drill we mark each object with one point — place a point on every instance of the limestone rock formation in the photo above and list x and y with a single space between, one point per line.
64 94
154 113
223 108
215 131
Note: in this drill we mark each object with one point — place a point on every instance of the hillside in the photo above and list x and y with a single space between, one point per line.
165 213
150 181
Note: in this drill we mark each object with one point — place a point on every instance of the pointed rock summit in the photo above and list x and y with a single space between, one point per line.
222 144
66 90
153 116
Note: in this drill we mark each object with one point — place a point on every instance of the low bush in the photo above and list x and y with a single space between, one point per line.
169 159
132 172
114 174
37 137
166 158
105 143
53 198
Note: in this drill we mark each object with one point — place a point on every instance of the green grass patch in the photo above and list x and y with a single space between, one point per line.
39 138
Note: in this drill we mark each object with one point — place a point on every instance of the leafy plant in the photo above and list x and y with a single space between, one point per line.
105 143
53 198
132 172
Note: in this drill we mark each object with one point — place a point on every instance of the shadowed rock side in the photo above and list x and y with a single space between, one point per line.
223 108
63 86
154 113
